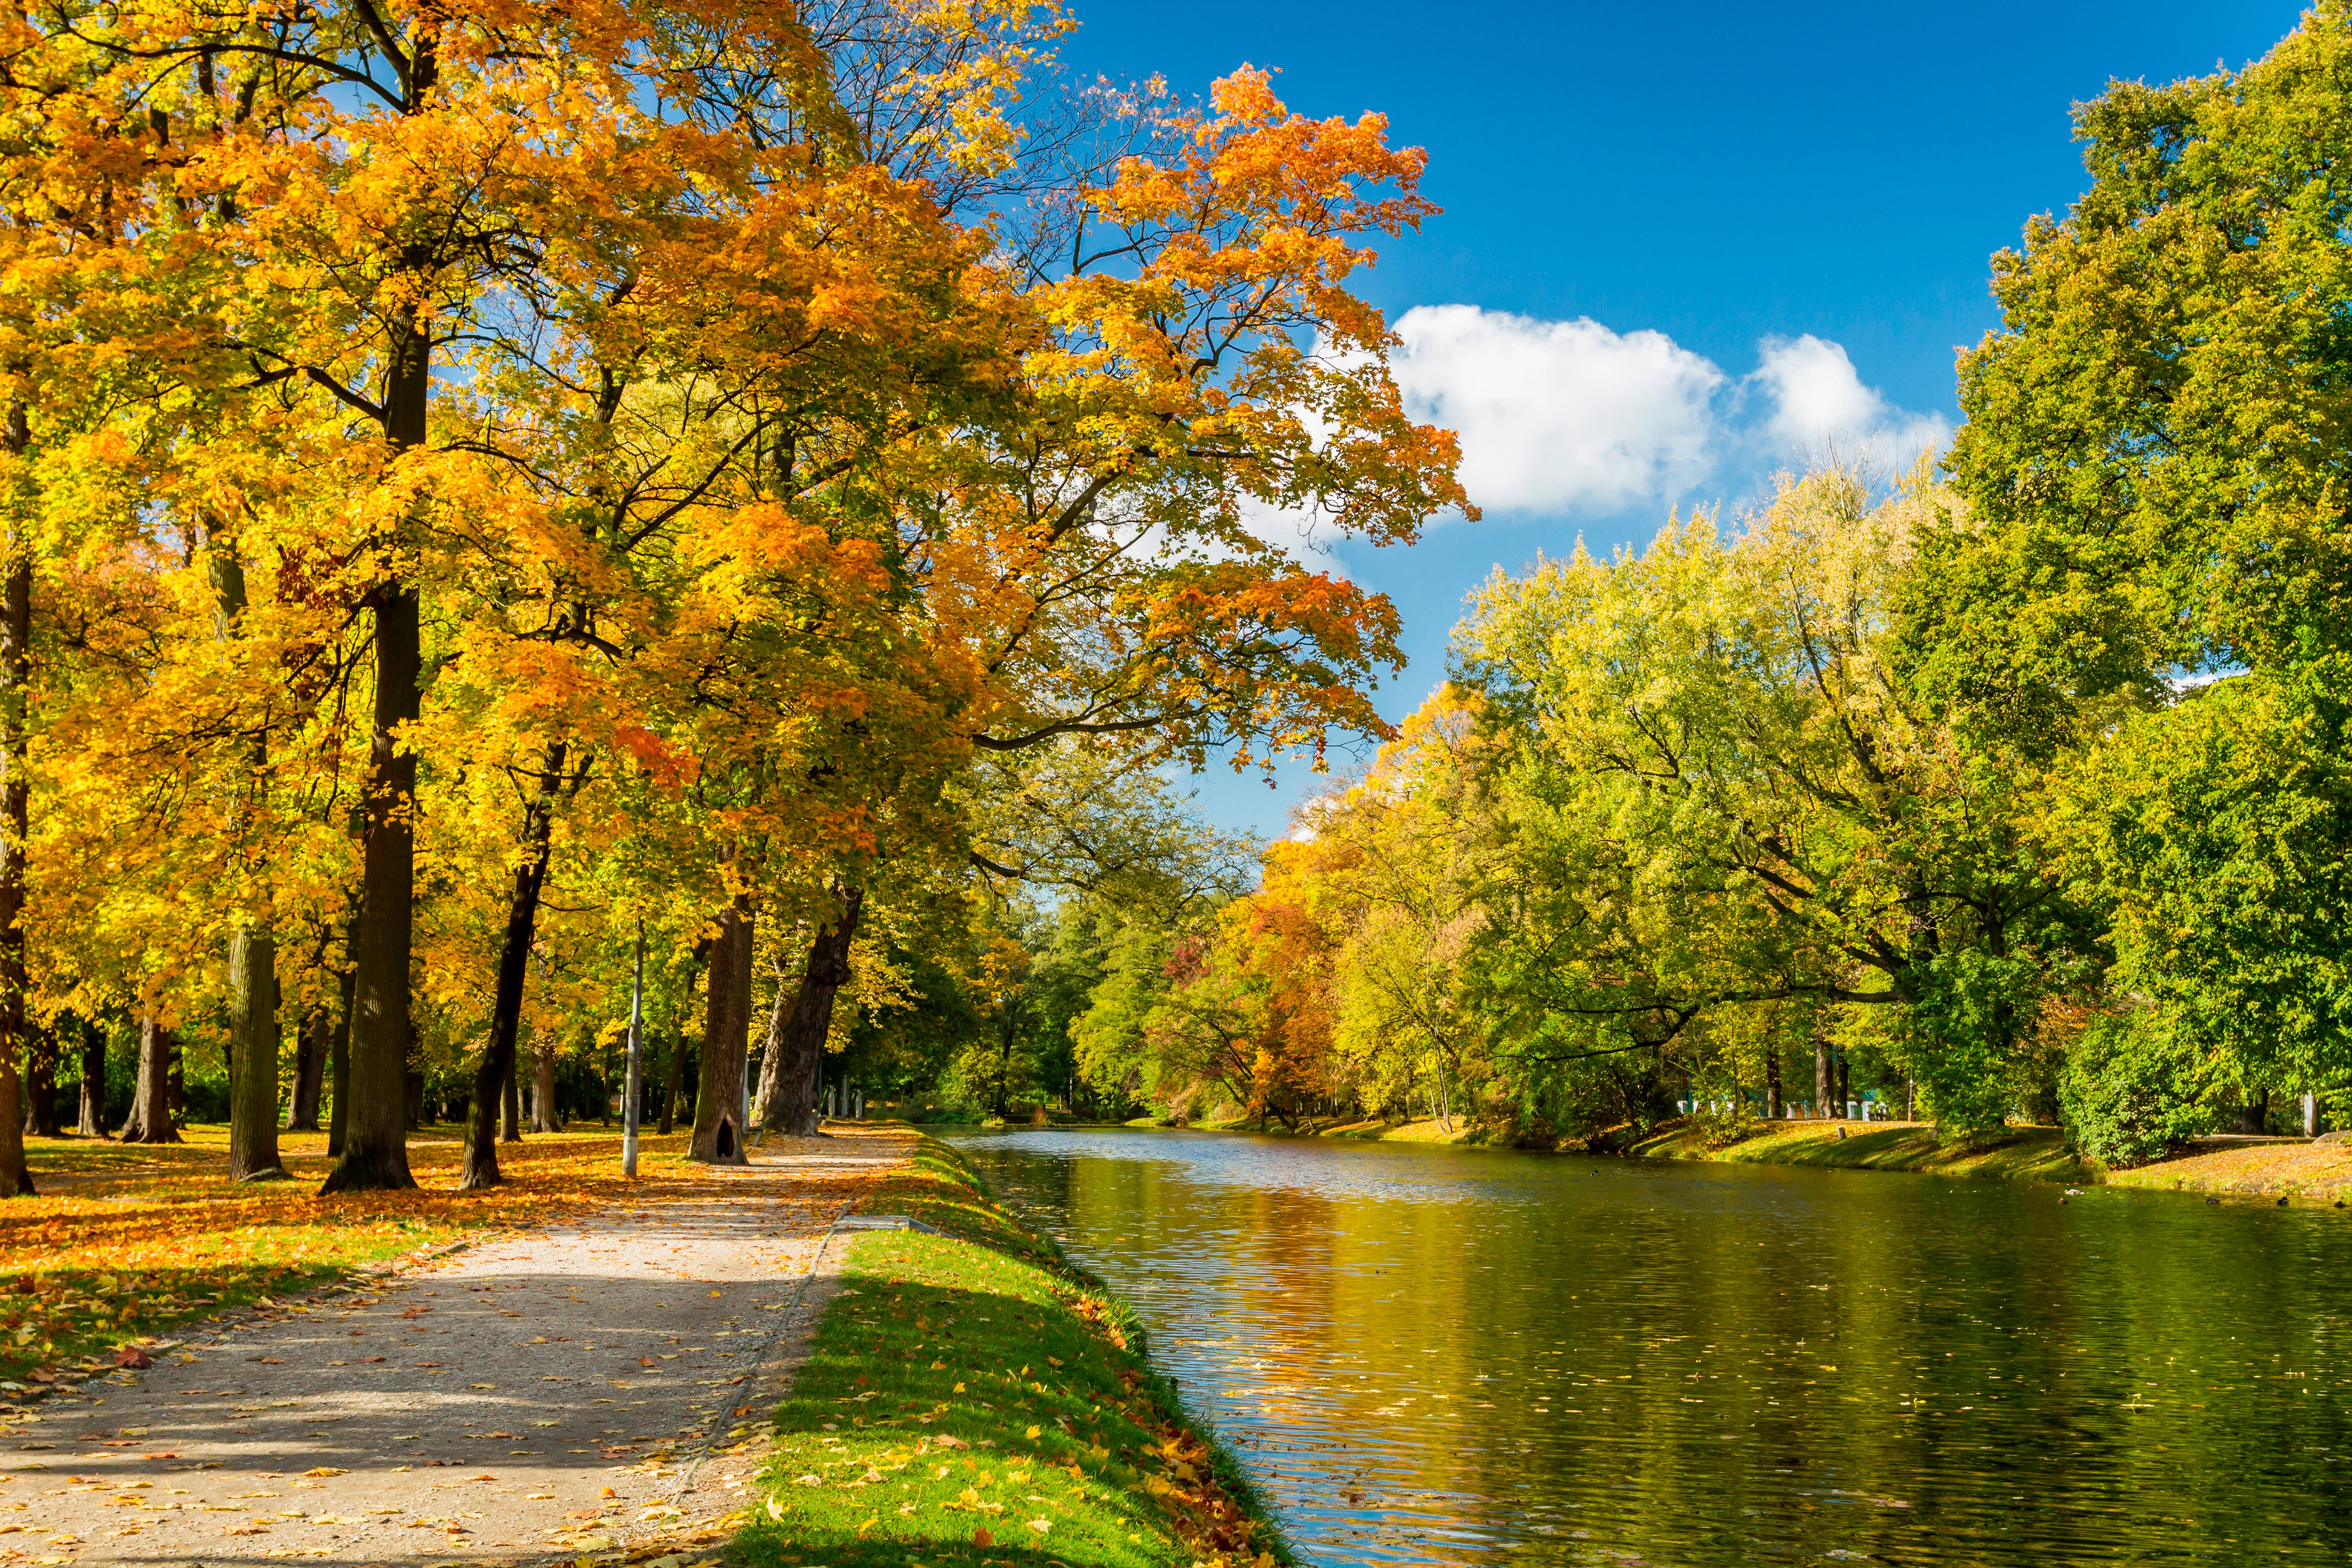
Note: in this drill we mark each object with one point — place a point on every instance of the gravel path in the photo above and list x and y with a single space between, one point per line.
566 1390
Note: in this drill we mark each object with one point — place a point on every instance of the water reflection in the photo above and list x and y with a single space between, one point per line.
1432 1356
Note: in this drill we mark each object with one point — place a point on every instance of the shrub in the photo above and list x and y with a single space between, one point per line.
2130 1090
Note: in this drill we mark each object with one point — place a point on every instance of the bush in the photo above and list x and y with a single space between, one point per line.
2130 1091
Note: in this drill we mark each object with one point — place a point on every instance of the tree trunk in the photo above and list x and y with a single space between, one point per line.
543 1084
2254 1115
312 1044
93 1082
794 1108
764 1109
1822 1085
725 1039
15 801
338 1062
494 1079
41 1085
253 1055
1844 1082
375 1127
511 1105
1772 1084
675 1079
151 1103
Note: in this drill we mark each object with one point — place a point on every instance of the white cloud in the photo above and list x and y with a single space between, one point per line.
1571 417
1560 415
1821 408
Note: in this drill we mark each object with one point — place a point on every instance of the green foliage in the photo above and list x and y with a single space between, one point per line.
2132 1090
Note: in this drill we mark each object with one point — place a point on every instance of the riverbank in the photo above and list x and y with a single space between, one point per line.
2017 1153
971 1398
2301 1172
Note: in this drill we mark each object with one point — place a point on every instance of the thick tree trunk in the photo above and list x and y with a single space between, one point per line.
253 1046
725 1039
93 1082
339 1061
1772 1084
312 1044
811 1020
375 1127
495 1077
151 1103
1822 1084
15 801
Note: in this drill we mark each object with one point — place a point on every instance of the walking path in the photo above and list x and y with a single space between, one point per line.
566 1390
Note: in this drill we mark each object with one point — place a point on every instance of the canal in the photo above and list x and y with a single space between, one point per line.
1442 1355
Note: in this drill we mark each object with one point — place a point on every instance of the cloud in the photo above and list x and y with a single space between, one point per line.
1821 408
1558 415
1570 416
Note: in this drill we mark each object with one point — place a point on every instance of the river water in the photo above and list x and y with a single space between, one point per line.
1467 1356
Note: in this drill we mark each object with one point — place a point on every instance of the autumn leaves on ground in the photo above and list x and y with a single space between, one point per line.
127 1240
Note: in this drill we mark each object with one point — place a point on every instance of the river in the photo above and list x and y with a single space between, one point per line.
1443 1355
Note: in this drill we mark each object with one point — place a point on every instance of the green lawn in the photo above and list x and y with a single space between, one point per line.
2031 1154
972 1399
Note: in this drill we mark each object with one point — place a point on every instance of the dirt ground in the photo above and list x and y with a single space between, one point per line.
562 1392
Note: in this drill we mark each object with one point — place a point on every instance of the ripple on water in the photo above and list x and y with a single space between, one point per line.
1442 1356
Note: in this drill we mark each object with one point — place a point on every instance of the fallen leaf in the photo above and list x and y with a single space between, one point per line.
982 1538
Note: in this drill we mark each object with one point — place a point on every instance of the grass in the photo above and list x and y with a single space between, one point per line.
972 1399
124 1243
2311 1172
2018 1154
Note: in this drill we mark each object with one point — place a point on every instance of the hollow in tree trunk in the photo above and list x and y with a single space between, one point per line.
725 1039
253 1046
811 1019
311 1038
376 1125
93 1082
339 1063
150 1121
16 798
495 1077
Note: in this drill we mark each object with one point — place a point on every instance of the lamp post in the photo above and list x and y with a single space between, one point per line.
633 1092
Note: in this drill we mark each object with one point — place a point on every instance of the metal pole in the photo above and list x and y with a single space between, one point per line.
633 1093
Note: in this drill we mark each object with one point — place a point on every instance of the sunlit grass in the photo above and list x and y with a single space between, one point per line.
971 1399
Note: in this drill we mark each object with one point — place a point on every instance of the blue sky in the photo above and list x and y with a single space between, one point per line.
1776 222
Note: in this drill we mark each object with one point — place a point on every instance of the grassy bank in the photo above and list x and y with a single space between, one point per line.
2017 1153
124 1243
970 1398
2300 1172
